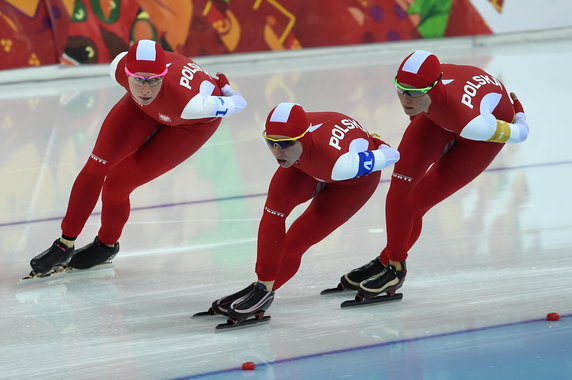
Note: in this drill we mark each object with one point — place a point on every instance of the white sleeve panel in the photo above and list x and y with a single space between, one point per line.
237 99
202 104
481 128
348 164
485 127
113 66
358 145
520 122
390 157
205 105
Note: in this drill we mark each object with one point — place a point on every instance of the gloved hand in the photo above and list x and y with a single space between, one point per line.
224 85
517 105
221 80
226 89
519 118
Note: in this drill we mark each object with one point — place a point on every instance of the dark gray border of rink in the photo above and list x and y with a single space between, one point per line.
253 196
345 350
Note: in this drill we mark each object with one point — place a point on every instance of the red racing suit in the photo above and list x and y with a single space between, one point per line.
326 173
139 143
469 119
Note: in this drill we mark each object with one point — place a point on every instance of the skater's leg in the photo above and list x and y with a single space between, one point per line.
166 149
454 170
123 131
449 174
422 145
463 162
328 210
461 165
117 138
163 151
288 189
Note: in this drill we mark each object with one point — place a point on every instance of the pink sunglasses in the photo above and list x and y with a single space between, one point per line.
143 79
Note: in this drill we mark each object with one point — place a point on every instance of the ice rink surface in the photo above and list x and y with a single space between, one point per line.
491 262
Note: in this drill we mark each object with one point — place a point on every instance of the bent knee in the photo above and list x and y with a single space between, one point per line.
96 166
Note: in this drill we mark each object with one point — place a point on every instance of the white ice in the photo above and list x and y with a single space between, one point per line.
497 252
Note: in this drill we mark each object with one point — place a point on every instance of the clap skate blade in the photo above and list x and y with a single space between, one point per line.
362 301
207 313
337 290
259 318
60 270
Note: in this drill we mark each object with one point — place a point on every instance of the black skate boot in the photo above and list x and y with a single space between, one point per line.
221 305
353 279
93 254
57 254
387 281
254 303
257 300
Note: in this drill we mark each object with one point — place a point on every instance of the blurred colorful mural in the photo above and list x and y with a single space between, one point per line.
47 32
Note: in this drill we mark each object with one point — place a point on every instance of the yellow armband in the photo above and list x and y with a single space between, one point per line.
502 133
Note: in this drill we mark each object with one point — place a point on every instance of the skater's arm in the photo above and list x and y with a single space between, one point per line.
356 164
204 104
486 127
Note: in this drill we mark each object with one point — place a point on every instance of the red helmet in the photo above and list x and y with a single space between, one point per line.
420 69
287 119
146 56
